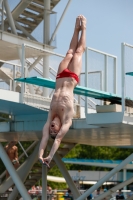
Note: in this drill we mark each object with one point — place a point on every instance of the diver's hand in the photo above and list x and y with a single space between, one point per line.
45 161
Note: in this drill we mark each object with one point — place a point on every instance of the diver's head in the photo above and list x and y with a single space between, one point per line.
55 127
12 143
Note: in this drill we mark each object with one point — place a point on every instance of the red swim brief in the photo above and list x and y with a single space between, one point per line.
67 73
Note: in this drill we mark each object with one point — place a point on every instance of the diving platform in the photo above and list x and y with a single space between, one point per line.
26 124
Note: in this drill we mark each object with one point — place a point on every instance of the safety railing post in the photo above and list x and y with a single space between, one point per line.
22 72
14 76
86 79
115 75
106 74
123 75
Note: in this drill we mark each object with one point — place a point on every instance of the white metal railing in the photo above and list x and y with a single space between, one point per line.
43 51
52 71
23 71
123 71
15 68
105 72
123 75
124 66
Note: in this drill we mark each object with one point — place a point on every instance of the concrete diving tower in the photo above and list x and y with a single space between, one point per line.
28 105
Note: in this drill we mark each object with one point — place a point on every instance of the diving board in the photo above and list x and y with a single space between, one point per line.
129 73
80 90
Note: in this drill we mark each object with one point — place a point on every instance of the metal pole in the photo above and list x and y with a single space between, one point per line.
46 33
86 79
23 149
44 182
14 76
15 176
10 18
1 2
101 85
106 74
124 179
115 75
107 177
2 16
123 75
57 27
34 64
22 72
66 175
44 179
10 84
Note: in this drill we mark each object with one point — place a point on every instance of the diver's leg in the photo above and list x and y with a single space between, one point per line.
76 63
73 46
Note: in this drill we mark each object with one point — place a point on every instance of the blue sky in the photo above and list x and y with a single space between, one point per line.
109 22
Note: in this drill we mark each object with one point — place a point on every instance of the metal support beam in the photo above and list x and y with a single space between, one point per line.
35 63
15 177
22 72
57 27
44 182
124 179
46 38
44 179
24 173
2 17
24 31
66 175
23 170
19 9
30 147
9 17
1 2
107 177
23 149
114 189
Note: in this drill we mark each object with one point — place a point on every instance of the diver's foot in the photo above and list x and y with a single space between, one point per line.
77 24
83 22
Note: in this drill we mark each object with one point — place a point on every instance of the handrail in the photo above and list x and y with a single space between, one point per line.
101 52
11 63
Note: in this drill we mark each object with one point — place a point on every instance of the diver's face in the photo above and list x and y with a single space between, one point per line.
55 126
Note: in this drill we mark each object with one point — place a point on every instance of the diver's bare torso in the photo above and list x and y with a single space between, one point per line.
62 101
